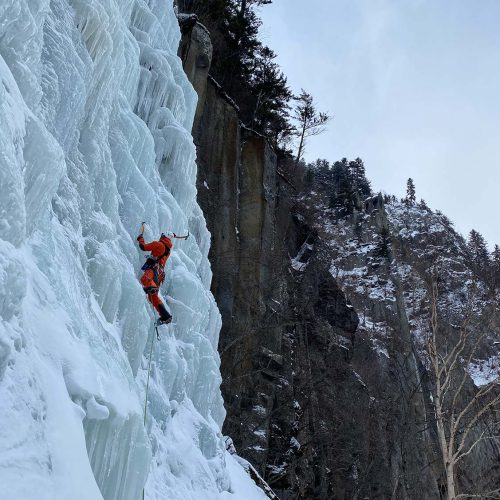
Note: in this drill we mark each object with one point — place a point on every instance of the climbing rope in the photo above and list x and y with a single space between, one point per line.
147 382
149 374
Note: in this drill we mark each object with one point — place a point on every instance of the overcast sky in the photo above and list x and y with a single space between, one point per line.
414 87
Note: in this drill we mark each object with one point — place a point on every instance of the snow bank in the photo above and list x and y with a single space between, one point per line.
94 117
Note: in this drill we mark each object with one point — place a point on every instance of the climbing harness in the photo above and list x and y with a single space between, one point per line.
149 264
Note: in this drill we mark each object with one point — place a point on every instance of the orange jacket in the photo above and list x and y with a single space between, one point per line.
159 249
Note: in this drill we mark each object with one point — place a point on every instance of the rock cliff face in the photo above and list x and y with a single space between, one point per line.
247 215
322 337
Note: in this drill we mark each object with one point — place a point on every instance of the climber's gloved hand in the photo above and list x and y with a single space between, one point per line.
139 237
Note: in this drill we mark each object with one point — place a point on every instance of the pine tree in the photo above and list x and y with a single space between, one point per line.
322 173
446 222
309 120
341 186
357 174
422 205
344 182
410 192
382 249
495 257
309 177
270 98
478 251
495 266
244 67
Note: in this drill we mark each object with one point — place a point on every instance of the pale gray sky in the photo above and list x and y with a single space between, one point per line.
414 87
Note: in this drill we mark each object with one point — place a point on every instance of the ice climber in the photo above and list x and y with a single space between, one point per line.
154 272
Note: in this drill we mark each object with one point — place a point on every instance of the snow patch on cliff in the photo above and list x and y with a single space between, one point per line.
485 371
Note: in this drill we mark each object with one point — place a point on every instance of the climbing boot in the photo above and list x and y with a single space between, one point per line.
165 317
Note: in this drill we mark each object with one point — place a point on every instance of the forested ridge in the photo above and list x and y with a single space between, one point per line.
248 72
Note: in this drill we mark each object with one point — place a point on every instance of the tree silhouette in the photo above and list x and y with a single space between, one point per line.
410 192
310 121
478 250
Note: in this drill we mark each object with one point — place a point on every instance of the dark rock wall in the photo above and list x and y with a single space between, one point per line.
238 192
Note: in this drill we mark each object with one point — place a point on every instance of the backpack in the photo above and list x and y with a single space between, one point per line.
152 262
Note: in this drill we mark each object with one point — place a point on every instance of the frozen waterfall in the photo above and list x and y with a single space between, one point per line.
95 114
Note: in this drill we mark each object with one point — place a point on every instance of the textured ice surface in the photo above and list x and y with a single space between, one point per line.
94 117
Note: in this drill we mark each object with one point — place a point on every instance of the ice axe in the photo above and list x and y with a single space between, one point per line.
181 237
141 232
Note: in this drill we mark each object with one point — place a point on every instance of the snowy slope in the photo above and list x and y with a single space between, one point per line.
420 238
94 118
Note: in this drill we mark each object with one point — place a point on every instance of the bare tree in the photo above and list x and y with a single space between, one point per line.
459 414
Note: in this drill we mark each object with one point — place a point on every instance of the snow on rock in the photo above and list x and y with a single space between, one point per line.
240 488
380 286
485 371
301 260
94 117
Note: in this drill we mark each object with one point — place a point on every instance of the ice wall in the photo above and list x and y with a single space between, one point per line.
94 118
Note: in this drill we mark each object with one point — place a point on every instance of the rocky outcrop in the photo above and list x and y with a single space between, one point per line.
196 54
323 374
